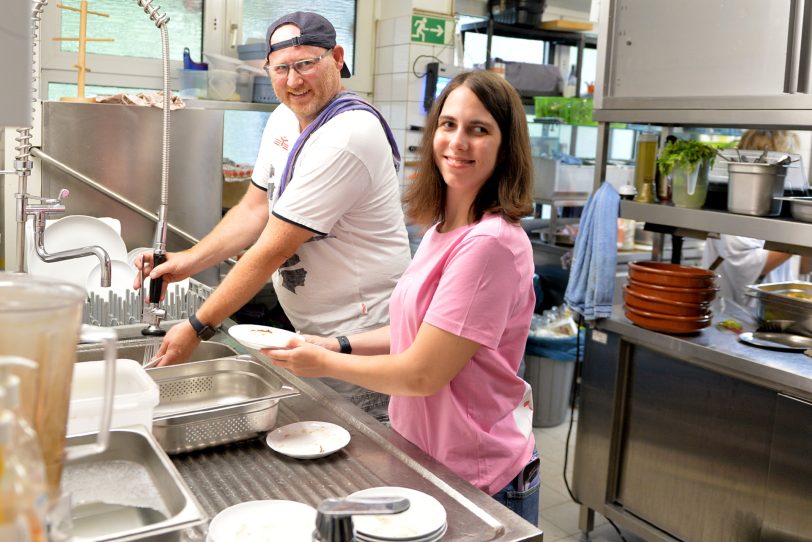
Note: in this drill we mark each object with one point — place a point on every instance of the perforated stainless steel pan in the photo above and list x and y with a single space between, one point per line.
212 402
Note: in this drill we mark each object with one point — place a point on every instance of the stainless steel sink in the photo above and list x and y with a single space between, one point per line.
134 349
156 505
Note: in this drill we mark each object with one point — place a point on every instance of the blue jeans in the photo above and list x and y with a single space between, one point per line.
521 495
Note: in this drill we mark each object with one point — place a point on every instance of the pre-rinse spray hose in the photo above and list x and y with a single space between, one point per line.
159 240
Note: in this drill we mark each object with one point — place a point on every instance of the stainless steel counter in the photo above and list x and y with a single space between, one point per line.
722 352
376 456
696 437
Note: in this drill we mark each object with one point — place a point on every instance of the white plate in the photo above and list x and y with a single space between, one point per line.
134 253
308 440
260 521
121 280
257 337
433 537
424 519
77 231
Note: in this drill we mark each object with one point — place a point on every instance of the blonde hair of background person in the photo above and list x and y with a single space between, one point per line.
778 141
460 314
771 140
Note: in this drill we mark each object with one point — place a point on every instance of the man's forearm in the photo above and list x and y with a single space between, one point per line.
238 230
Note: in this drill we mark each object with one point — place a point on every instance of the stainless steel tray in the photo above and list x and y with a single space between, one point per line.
212 402
783 306
800 207
131 491
134 349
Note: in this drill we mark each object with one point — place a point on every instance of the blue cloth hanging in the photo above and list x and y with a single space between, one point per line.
591 286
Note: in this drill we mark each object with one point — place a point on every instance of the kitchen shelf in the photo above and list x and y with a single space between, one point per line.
786 232
221 105
789 119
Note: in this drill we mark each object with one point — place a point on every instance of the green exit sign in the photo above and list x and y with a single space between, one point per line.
428 29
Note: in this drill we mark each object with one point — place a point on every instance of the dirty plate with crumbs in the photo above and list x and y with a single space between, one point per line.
308 440
258 337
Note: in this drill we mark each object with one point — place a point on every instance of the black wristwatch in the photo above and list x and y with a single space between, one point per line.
344 345
203 331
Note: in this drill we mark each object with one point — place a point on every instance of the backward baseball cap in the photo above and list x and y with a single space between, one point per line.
315 30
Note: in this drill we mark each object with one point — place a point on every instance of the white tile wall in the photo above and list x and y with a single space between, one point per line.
383 60
399 69
386 32
382 88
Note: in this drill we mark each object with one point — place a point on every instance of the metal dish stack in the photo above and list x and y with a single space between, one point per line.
784 306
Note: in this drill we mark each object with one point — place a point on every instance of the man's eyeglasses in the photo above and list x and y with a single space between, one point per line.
302 67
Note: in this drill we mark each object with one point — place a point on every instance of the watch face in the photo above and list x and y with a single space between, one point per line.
207 333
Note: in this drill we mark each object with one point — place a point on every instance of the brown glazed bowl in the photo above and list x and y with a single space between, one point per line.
672 293
676 325
663 307
670 274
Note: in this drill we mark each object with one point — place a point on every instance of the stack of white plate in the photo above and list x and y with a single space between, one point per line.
424 521
77 231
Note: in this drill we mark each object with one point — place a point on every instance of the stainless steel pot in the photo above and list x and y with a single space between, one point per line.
753 188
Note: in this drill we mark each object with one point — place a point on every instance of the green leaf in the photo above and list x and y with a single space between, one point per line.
684 153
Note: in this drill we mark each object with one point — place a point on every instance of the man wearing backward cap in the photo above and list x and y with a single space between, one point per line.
322 215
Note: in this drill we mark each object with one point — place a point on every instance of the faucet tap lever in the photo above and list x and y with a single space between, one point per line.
334 516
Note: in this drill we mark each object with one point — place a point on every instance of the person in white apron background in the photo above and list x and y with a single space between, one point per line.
743 260
323 214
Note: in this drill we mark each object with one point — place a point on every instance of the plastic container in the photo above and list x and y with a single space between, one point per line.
136 396
253 53
549 369
245 81
190 64
222 62
222 85
23 489
193 83
263 91
689 188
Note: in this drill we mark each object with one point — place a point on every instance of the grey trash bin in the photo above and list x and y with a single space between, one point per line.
549 369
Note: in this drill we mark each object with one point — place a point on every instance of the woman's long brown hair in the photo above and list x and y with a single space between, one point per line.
509 190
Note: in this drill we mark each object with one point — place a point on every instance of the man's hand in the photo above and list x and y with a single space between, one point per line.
178 266
178 345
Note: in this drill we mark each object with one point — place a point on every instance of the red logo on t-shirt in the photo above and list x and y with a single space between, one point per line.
281 141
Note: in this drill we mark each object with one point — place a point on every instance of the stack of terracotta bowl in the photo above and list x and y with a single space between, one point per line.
669 298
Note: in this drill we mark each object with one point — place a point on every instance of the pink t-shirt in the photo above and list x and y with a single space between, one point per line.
475 282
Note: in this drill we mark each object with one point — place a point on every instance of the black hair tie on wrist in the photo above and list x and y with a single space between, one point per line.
344 344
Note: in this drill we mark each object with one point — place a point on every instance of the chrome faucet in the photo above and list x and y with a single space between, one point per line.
334 516
50 206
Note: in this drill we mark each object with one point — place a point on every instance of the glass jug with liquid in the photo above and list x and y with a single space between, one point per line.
41 320
646 163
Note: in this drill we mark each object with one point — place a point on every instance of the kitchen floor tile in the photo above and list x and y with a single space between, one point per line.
558 513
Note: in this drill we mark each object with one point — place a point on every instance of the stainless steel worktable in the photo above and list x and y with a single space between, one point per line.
376 456
722 352
697 437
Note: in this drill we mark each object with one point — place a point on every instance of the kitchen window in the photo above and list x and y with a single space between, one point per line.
133 61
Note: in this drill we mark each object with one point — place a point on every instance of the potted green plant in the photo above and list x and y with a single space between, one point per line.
687 163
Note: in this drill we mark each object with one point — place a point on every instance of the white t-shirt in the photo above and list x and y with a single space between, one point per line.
344 189
744 259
